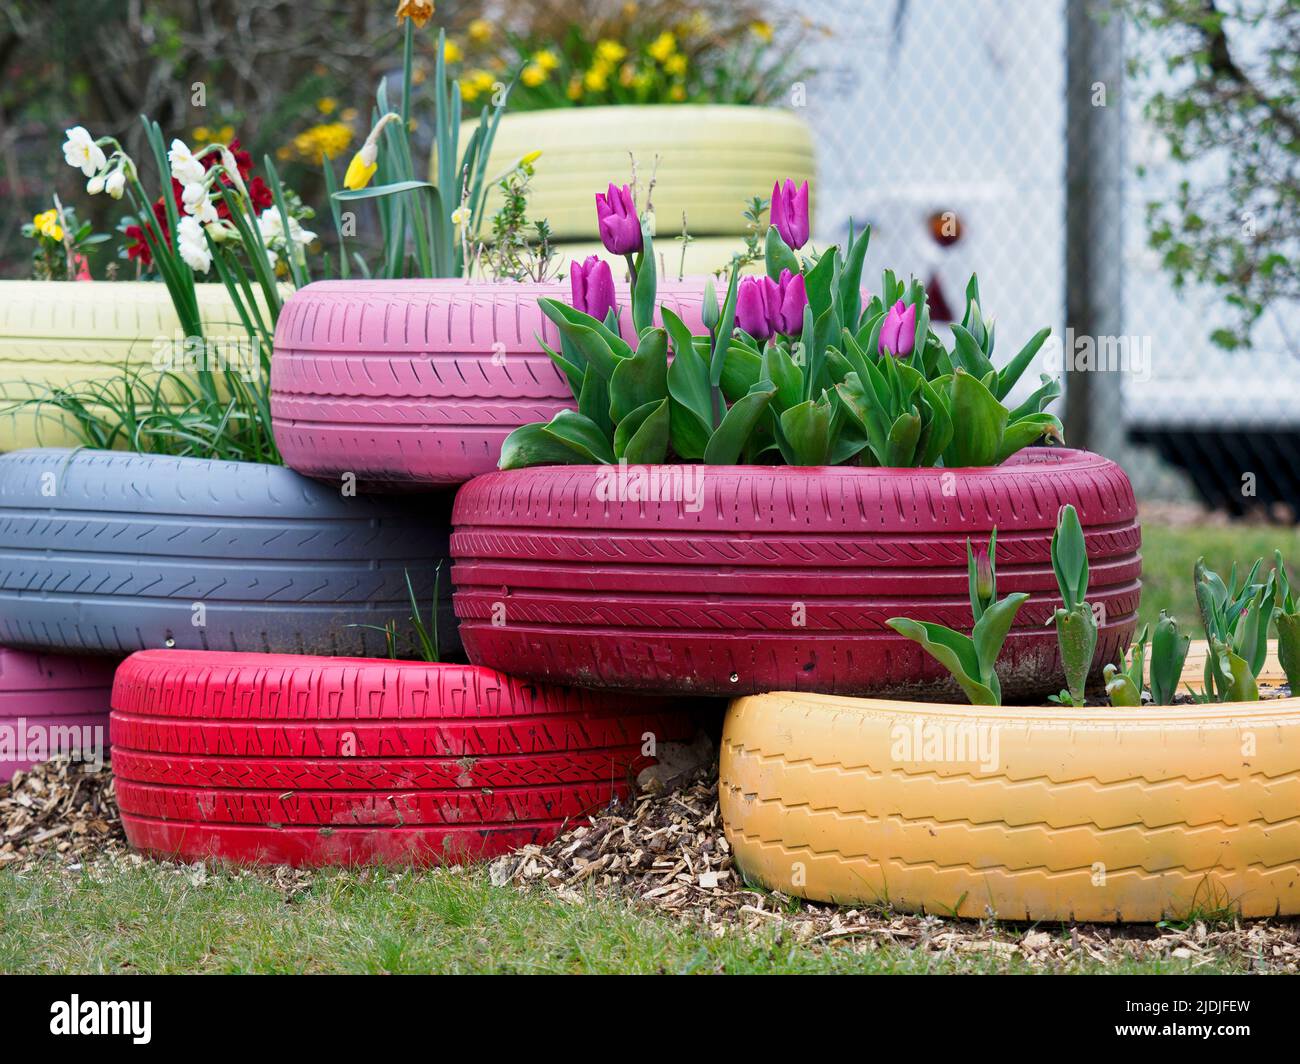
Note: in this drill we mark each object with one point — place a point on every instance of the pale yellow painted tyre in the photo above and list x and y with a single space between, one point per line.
55 333
1097 814
707 255
712 160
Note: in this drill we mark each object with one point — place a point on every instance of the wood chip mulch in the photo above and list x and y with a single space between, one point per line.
664 852
668 852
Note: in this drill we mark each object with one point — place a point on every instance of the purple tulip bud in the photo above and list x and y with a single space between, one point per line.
898 332
620 228
592 283
754 300
789 213
983 576
794 297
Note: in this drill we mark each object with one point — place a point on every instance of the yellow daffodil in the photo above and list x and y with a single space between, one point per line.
225 134
480 31
596 79
698 24
676 65
451 52
530 158
532 75
460 217
362 168
418 11
202 134
547 60
47 224
328 138
762 30
327 105
663 46
610 51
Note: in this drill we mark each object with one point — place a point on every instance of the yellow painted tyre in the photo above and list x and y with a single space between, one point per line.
1024 813
710 254
712 160
58 333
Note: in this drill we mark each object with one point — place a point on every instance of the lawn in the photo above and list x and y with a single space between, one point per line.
121 916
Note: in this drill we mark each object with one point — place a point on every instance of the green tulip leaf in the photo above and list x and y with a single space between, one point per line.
581 434
641 379
642 437
730 437
530 445
954 651
978 421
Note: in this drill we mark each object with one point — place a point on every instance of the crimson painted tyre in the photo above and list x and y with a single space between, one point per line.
282 759
43 695
762 578
418 383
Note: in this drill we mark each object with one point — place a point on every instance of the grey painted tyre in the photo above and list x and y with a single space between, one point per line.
104 552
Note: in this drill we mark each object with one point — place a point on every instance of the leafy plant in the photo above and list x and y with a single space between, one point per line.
792 370
972 659
1236 619
518 250
424 221
1286 615
1168 655
423 635
1076 625
62 244
1124 682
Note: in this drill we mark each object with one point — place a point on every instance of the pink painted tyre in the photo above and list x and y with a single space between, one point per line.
417 383
43 695
747 579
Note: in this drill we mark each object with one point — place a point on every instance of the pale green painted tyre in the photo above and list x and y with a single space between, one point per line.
58 333
713 159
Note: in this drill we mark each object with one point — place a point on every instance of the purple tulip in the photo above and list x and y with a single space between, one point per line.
592 283
620 228
898 333
788 318
755 302
789 213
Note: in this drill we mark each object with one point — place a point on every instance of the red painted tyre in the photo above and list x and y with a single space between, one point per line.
311 761
52 705
744 579
410 383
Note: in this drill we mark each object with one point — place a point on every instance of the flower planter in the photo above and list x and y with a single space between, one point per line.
313 761
1033 813
738 579
58 333
410 383
109 553
42 697
712 160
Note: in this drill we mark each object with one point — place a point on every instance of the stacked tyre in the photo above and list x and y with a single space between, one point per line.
305 761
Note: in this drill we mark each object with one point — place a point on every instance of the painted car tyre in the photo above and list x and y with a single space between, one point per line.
1025 813
310 761
742 579
42 695
104 552
418 383
712 159
66 333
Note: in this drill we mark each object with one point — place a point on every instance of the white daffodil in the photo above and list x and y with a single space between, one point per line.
460 217
95 185
193 246
115 184
196 201
272 227
185 167
81 151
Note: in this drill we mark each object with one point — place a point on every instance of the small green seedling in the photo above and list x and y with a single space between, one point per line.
1286 616
1168 655
971 658
1076 626
1236 619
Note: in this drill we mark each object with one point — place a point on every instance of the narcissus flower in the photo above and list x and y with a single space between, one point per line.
451 52
761 30
193 246
362 167
532 75
610 51
663 46
547 60
530 158
620 227
81 151
185 167
115 184
47 224
460 217
480 31
418 11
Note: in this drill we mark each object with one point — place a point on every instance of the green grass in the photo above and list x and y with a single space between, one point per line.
154 919
1168 555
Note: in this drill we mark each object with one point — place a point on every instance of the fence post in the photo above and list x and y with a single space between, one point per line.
1094 218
